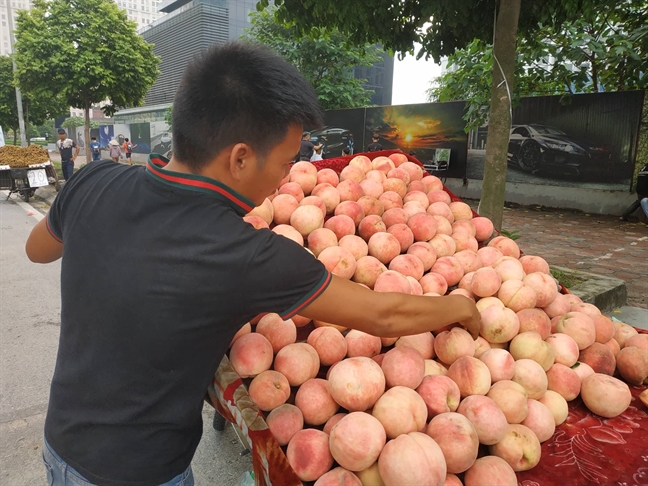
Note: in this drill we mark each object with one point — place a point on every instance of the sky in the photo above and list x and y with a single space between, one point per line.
411 80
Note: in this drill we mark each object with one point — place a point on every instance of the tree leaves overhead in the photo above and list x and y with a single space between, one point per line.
324 56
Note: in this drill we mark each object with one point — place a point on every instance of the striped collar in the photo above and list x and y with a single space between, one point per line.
193 182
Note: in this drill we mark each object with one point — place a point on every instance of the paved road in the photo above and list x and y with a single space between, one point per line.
29 331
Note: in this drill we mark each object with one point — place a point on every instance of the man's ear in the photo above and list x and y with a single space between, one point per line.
240 159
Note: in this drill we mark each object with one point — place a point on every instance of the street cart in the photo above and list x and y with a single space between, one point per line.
26 180
586 449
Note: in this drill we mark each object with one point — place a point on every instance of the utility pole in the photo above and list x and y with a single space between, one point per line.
12 42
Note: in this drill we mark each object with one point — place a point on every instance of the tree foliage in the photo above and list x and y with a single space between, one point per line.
87 51
77 121
606 53
325 57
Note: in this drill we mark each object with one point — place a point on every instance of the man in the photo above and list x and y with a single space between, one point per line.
128 150
65 147
642 195
374 146
159 272
307 147
95 148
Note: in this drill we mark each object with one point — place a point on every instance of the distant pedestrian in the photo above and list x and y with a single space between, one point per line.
350 144
375 146
317 155
128 150
65 147
307 147
95 148
115 151
346 151
642 195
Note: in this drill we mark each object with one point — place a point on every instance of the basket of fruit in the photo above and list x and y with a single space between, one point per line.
545 395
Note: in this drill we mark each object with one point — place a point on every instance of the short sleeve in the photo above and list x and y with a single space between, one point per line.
283 277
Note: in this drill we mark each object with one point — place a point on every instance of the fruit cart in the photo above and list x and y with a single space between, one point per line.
26 180
586 449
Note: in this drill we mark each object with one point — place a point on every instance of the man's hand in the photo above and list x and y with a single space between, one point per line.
473 323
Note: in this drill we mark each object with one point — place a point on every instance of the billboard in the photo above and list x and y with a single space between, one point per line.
141 137
161 138
586 140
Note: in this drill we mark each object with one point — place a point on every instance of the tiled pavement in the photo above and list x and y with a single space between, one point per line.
588 242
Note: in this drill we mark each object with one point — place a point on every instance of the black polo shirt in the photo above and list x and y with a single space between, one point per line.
374 147
159 271
306 150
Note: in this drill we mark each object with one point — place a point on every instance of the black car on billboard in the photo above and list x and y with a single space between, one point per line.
537 147
333 140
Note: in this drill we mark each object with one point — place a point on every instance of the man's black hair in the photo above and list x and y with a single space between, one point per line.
305 134
375 136
61 130
93 138
238 93
125 140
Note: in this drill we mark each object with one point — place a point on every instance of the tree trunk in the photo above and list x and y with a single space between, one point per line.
499 124
86 131
15 136
27 123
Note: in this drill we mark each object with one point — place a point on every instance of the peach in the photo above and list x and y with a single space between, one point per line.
599 357
564 381
328 176
284 422
638 341
586 308
604 328
297 362
614 347
461 210
403 366
579 326
413 207
499 324
383 164
357 440
565 348
398 159
572 299
415 287
309 455
487 302
535 320
415 171
394 216
400 411
293 189
464 241
384 247
354 245
398 456
632 364
245 329
401 174
489 255
500 363
425 252
330 423
605 395
532 264
490 470
361 161
583 370
417 186
557 405
544 286
623 333
440 394
371 206
452 345
489 421
444 245
251 354
423 226
306 181
372 188
269 390
256 221
423 343
329 343
469 260
433 183
408 265
341 225
417 196
349 190
314 201
330 196
483 228
434 282
315 401
507 246
486 282
511 398
531 376
452 480
338 477
368 269
265 211
338 261
370 225
392 281
440 208
471 376
443 225
457 438
450 268
434 368
517 296
377 176
481 345
351 209
390 200
509 269
321 239
520 448
305 167
307 219
395 185
530 345
558 307
351 172
356 383
289 232
464 225
280 333
403 234
362 344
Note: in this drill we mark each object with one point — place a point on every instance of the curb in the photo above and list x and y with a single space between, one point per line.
606 293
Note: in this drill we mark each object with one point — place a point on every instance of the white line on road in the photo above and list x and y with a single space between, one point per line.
29 209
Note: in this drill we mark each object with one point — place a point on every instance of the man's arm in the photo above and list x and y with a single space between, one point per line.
390 314
76 152
41 246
